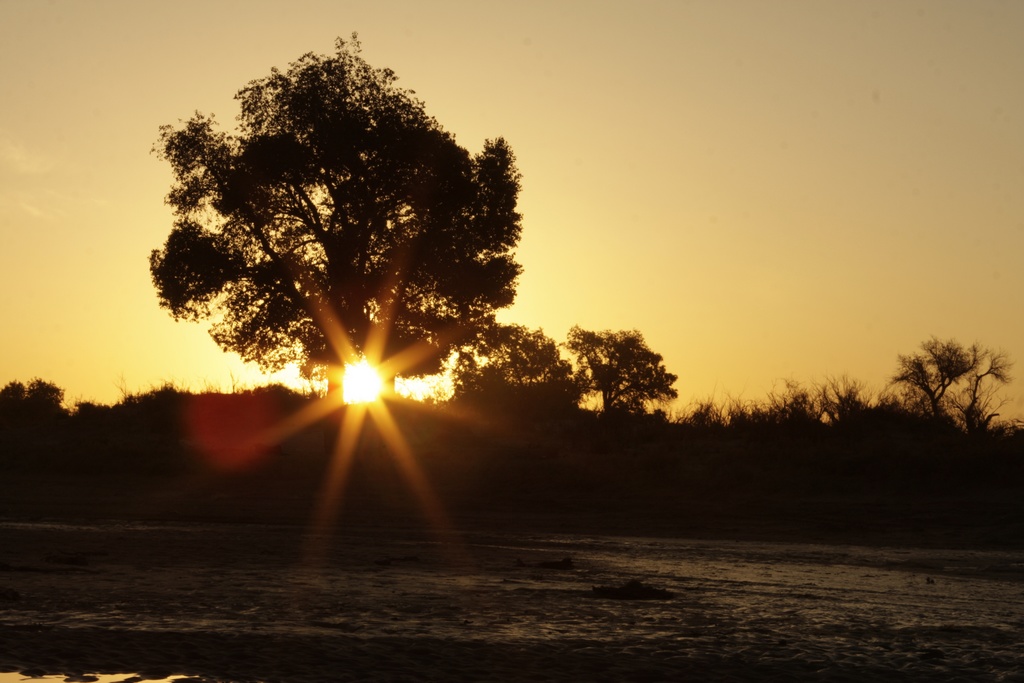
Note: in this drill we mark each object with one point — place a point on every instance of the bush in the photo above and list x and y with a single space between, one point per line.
35 403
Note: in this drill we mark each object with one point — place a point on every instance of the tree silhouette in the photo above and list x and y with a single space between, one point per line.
976 401
951 382
339 219
517 371
38 401
621 369
929 375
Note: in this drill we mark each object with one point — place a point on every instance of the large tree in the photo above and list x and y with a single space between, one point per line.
621 369
338 216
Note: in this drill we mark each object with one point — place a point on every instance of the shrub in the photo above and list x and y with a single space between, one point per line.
37 402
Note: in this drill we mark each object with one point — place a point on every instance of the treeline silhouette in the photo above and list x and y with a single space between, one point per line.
833 438
149 431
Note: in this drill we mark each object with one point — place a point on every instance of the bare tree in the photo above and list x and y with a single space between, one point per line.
928 376
841 399
975 403
951 382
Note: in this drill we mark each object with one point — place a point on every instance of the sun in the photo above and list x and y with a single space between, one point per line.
361 383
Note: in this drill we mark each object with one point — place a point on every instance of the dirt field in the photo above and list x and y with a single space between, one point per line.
237 585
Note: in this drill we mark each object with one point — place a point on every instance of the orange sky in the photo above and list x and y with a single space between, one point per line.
765 190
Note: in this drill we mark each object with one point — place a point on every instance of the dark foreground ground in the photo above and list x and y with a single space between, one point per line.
251 577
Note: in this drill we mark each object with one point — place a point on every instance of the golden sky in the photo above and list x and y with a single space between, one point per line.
766 190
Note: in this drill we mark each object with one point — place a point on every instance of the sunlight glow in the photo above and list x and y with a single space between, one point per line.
432 387
361 383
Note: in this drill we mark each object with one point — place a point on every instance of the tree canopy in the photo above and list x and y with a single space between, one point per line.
339 219
621 369
517 371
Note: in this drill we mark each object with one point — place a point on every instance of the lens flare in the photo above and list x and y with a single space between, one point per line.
231 431
361 383
361 404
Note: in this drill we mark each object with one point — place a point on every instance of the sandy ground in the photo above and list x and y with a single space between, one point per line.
387 600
